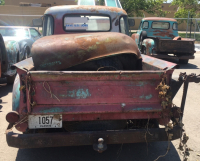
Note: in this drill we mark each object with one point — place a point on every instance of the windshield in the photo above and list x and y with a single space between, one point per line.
86 23
14 32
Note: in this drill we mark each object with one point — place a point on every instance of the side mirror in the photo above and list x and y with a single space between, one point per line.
37 22
131 22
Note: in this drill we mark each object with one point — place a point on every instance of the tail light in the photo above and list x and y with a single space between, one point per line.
12 117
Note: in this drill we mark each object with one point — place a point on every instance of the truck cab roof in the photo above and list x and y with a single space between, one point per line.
158 19
61 10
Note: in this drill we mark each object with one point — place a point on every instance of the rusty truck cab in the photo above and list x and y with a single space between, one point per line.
77 19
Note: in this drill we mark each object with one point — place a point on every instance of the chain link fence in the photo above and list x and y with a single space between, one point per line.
189 28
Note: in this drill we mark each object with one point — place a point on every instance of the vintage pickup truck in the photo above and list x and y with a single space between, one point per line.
88 84
158 37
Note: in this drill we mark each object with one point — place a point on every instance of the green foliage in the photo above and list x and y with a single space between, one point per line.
101 2
98 2
135 7
185 6
197 36
2 2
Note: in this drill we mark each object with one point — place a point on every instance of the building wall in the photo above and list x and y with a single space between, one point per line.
52 2
12 7
18 15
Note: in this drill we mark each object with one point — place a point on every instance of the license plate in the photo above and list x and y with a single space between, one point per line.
44 121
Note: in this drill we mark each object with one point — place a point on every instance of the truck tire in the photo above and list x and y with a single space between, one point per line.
109 64
11 79
183 61
143 36
144 51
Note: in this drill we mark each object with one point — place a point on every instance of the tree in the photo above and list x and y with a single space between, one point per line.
135 7
185 6
2 2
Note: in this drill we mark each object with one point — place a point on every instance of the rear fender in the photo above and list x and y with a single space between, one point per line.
149 44
16 94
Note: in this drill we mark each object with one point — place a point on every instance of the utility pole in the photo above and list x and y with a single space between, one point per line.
190 26
187 23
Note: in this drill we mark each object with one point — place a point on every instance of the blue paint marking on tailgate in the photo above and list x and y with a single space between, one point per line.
142 109
52 110
148 97
76 93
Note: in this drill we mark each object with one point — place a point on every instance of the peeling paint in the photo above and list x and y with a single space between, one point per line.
81 93
142 109
148 97
52 110
142 96
77 93
51 64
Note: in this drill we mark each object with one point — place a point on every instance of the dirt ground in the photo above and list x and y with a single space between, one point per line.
125 152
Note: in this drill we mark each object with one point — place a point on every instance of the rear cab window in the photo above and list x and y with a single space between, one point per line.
87 23
160 25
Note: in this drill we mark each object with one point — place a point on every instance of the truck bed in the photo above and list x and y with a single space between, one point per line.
113 106
183 46
96 95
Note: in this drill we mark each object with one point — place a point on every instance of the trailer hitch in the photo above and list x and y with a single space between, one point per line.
101 146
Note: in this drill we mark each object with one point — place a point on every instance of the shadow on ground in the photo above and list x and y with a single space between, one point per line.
188 66
183 66
5 90
126 152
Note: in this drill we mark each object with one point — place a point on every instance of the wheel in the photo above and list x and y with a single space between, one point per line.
109 64
143 36
141 39
183 61
11 79
144 50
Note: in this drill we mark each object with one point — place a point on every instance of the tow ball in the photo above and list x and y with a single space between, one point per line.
101 146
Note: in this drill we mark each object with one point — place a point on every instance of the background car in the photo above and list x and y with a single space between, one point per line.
15 45
24 36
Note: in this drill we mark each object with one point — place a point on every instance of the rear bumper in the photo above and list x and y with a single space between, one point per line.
172 57
89 137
